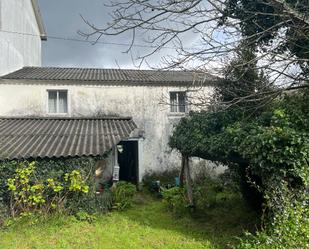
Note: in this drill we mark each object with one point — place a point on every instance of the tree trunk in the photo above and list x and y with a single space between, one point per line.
181 176
188 179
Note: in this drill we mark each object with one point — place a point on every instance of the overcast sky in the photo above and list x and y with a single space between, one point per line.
62 19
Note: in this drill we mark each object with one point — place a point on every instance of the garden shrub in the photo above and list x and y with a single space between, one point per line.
84 216
212 192
56 169
273 143
245 179
287 227
122 195
7 170
269 152
29 194
175 200
166 179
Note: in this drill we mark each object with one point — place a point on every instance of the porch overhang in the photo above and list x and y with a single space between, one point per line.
40 137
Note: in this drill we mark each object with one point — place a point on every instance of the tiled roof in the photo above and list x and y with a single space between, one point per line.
22 138
101 76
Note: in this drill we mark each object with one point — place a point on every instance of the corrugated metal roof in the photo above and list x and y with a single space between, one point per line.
101 76
22 138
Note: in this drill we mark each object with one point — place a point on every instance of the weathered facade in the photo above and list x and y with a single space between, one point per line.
21 32
155 100
143 95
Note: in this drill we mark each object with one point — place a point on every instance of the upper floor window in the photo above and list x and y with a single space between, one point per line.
178 101
57 101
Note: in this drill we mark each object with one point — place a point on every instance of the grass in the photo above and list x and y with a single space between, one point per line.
147 225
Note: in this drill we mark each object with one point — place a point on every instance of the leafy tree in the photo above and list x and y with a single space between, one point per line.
242 83
262 22
272 146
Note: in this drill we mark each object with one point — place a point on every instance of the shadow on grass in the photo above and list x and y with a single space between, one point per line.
220 225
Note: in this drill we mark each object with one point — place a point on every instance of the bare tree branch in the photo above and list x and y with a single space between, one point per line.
204 36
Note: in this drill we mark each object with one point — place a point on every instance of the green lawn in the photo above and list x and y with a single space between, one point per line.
147 225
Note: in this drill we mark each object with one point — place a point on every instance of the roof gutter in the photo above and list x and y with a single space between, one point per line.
39 20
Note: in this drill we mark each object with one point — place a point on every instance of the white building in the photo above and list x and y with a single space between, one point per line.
62 112
21 32
156 100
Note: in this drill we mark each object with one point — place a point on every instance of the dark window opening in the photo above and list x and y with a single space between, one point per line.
178 101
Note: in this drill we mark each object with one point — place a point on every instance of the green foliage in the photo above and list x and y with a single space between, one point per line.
84 216
175 200
53 185
242 80
274 143
7 170
211 193
166 178
123 195
30 195
251 24
270 152
75 181
260 22
26 219
201 135
51 173
288 228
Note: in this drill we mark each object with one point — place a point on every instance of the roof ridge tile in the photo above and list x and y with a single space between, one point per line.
103 75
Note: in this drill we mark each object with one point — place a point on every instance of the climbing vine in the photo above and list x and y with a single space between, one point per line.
30 194
59 176
276 143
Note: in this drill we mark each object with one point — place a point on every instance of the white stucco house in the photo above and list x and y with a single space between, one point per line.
155 101
67 112
21 33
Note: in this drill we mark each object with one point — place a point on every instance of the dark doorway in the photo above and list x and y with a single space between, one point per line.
128 161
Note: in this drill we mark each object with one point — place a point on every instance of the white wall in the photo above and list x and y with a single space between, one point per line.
16 50
142 103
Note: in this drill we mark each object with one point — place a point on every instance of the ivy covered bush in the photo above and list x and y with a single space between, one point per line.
288 227
175 200
270 153
273 145
50 184
209 193
30 194
122 195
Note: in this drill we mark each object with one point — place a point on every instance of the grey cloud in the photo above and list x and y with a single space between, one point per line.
62 18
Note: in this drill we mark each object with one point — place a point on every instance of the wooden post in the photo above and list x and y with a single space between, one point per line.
187 174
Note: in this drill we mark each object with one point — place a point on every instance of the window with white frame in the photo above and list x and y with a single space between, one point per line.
57 101
178 101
